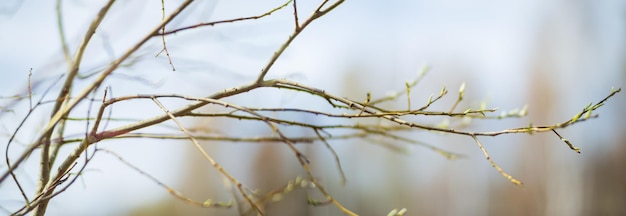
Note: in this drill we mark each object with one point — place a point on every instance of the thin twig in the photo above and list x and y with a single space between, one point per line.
169 189
66 50
494 165
460 98
412 84
30 90
162 33
167 53
10 167
317 14
337 161
295 15
571 146
206 156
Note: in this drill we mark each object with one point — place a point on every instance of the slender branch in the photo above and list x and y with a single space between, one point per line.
169 189
460 98
295 15
316 14
572 147
376 115
494 165
10 167
167 53
66 51
163 32
214 163
412 84
337 161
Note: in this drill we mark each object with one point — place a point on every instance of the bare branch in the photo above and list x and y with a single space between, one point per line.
167 53
316 14
295 15
217 166
172 191
494 165
163 32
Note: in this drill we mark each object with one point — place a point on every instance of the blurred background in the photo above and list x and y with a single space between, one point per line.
554 56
